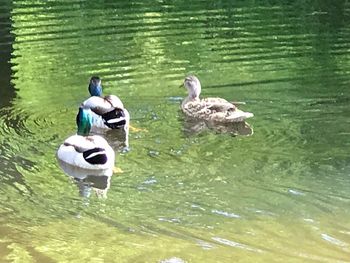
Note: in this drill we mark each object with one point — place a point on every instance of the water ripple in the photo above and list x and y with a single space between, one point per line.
236 244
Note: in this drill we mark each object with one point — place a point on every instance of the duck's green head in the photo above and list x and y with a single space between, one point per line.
95 87
84 121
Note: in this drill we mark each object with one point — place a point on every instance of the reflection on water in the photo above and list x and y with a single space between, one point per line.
118 139
186 195
6 40
197 126
97 181
172 260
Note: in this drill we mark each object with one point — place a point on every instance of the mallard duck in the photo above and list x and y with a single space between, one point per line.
85 151
209 109
108 112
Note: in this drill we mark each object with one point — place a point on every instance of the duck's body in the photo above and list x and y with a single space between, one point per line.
114 118
102 105
209 109
87 152
108 111
84 151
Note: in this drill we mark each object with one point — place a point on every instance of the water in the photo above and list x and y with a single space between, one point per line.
281 194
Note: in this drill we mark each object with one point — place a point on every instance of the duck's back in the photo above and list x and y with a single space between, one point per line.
215 109
102 105
90 152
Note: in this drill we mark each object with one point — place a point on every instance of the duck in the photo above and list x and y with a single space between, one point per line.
209 109
107 112
82 150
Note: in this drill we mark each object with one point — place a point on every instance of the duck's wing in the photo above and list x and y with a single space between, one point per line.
215 109
225 111
114 101
238 116
207 107
95 156
199 109
116 118
80 143
218 104
87 146
97 104
101 105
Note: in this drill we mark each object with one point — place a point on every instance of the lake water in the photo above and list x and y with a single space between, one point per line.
280 195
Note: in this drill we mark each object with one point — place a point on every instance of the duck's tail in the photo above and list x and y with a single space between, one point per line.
239 116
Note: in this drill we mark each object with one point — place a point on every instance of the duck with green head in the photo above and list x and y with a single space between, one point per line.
86 151
108 112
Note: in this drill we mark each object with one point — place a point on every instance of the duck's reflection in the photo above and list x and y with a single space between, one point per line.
88 181
118 139
196 126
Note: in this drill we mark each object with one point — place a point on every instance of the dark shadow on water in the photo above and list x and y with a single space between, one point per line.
6 40
118 139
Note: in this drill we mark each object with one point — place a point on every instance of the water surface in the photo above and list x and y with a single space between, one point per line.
281 194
